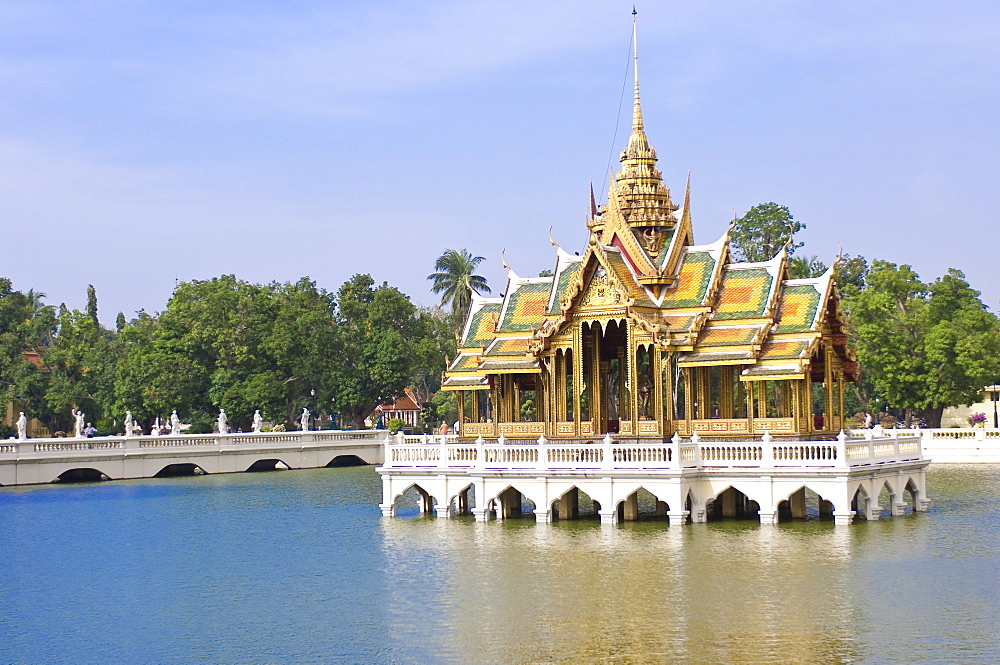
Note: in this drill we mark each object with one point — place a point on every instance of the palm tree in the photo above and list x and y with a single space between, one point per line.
801 267
455 281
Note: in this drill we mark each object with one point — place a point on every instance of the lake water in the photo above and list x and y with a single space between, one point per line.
299 567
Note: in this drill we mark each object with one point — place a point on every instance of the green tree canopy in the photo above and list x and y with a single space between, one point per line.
378 328
762 231
924 346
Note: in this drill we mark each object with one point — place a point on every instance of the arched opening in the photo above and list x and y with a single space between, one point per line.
804 504
914 494
82 476
413 502
575 504
463 502
512 504
642 505
732 504
346 460
886 500
860 503
186 469
268 465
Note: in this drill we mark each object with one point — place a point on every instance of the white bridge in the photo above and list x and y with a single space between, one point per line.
680 480
35 461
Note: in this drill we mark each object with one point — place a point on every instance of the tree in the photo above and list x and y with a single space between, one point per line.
762 231
456 280
924 347
431 352
376 329
92 303
805 267
16 322
851 273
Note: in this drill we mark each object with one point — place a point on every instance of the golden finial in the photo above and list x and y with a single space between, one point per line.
791 236
840 255
503 260
551 239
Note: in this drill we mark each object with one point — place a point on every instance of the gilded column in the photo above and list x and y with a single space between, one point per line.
633 376
596 407
577 374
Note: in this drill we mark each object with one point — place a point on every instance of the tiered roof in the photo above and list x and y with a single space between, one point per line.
641 263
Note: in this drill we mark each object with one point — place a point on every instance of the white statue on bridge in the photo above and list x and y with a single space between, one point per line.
129 424
175 423
22 426
258 421
304 421
222 422
78 424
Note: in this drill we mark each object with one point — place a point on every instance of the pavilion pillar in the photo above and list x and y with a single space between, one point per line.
828 387
476 415
689 396
632 380
577 375
569 505
510 503
726 392
461 395
797 503
630 507
596 405
728 499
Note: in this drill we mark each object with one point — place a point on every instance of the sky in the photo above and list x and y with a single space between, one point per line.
148 141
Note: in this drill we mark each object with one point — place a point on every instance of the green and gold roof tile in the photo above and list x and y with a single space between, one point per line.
525 306
693 280
744 294
482 323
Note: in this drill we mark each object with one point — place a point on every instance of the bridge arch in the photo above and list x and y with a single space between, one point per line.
803 503
462 502
82 475
268 464
346 460
413 501
913 490
512 502
732 503
642 504
574 503
862 502
180 469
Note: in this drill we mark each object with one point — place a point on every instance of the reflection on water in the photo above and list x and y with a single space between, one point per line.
300 567
577 592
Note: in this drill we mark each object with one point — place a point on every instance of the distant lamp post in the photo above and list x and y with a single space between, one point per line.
996 398
312 405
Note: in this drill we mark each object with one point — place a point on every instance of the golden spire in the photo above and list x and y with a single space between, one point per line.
641 196
636 110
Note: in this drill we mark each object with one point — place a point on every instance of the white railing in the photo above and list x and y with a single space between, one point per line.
844 452
18 447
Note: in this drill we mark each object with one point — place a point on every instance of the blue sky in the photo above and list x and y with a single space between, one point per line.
146 140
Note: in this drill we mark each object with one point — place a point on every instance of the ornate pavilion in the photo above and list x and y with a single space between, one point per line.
647 334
